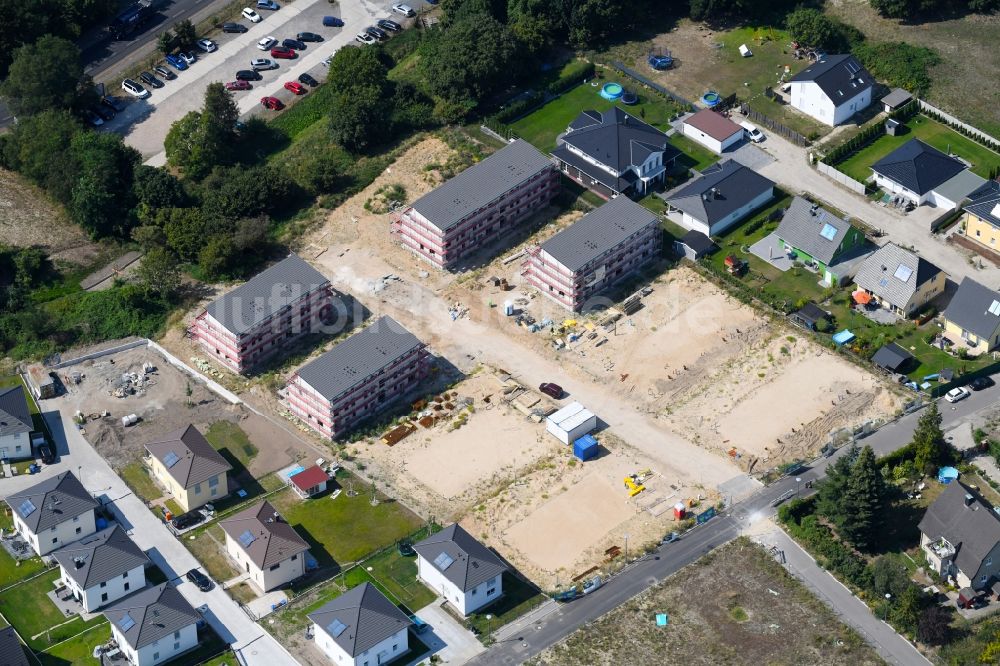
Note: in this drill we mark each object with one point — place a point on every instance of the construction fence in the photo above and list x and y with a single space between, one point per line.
842 178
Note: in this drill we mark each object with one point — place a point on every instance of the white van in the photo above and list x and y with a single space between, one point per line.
752 132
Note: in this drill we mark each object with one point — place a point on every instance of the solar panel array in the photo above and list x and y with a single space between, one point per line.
170 459
27 508
126 622
995 308
247 538
443 561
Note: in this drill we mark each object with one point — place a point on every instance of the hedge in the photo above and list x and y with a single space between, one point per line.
868 135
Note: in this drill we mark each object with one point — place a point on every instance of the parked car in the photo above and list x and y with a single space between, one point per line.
115 103
309 37
186 520
188 57
251 15
134 89
295 87
308 80
272 103
176 62
282 52
164 73
239 85
263 64
264 43
752 132
377 33
980 383
956 394
104 112
45 453
92 118
293 44
235 28
333 22
203 582
403 9
268 4
551 390
248 75
206 45
389 24
364 38
150 80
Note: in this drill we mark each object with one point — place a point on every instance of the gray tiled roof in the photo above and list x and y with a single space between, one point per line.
614 183
15 417
265 294
970 309
598 231
55 501
472 562
985 203
11 650
100 557
368 618
481 183
156 611
735 186
274 540
802 225
840 77
918 167
617 139
196 462
973 530
878 274
362 355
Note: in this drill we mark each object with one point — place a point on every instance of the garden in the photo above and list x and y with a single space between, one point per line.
35 617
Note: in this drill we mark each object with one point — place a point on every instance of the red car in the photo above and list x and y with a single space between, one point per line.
282 52
238 85
295 87
272 103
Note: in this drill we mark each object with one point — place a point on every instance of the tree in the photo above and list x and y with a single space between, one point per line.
158 273
929 446
149 236
186 230
907 609
889 576
831 491
38 148
359 116
185 35
156 188
183 143
218 124
45 75
863 502
166 42
230 194
102 199
812 27
899 64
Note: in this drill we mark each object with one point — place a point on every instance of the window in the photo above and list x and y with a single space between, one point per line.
78 530
104 597
177 646
395 646
214 481
989 562
177 635
127 585
294 557
274 566
76 519
491 591
197 489
156 656
125 575
104 584
54 540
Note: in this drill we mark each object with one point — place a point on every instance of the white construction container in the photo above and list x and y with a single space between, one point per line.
130 420
571 422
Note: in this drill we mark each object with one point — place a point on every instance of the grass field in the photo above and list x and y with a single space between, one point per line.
930 132
30 611
396 576
10 571
230 436
695 157
518 598
80 649
208 546
136 477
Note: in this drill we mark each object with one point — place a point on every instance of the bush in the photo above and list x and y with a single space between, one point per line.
571 75
899 64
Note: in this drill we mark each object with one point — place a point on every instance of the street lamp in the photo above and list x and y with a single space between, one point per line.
489 627
886 612
626 549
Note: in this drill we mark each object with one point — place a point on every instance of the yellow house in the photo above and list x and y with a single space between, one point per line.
982 217
972 318
187 466
899 280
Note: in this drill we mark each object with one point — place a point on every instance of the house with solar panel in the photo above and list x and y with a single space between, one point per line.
898 280
53 513
188 467
153 626
263 545
832 89
361 628
358 378
15 424
478 206
461 569
102 568
819 238
972 318
264 315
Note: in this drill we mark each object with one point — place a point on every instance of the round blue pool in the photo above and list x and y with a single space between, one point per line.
612 91
711 98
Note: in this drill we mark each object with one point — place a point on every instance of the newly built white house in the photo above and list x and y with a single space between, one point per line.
461 569
262 544
832 89
154 626
53 513
15 425
361 628
722 196
102 568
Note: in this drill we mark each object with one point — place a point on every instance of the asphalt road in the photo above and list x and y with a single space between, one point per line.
534 634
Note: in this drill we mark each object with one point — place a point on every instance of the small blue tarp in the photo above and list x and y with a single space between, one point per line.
662 620
843 337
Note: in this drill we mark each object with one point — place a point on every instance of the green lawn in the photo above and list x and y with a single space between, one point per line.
28 608
137 477
208 546
695 156
80 649
11 571
929 131
518 598
397 577
543 125
230 436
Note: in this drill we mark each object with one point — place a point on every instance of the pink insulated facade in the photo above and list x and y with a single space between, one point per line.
262 316
478 205
358 377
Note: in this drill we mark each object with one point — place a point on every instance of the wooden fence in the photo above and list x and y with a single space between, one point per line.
650 84
774 125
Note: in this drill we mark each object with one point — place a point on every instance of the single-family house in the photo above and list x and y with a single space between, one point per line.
154 625
981 221
188 467
310 481
12 649
712 130
832 89
15 424
899 280
818 237
361 628
694 245
721 197
614 153
461 569
972 317
53 513
960 537
598 251
263 545
923 174
102 568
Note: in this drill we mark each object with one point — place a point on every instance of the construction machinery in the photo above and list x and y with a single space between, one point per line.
633 485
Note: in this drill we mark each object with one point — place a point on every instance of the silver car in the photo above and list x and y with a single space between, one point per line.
261 64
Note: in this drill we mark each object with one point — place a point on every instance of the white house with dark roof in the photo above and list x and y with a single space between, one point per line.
262 316
923 174
153 626
712 130
614 153
53 513
832 89
361 628
461 569
188 467
102 568
264 546
899 280
722 196
15 424
972 318
960 537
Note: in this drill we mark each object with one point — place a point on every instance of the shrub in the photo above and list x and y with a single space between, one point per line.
899 64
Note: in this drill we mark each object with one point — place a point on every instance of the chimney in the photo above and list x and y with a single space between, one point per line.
78 561
969 499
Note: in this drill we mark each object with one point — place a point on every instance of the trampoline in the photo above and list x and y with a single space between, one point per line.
629 98
661 62
612 91
711 99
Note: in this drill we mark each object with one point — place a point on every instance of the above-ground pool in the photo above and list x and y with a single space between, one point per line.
611 91
711 98
661 61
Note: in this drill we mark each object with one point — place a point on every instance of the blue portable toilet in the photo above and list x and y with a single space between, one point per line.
585 447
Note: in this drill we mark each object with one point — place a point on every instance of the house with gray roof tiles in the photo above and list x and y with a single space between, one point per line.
920 173
981 222
102 568
960 537
820 238
722 196
832 89
460 568
53 513
972 318
154 625
15 424
12 650
263 545
899 280
188 467
361 628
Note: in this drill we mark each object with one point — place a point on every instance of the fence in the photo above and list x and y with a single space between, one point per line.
103 352
773 125
842 178
649 84
948 118
489 131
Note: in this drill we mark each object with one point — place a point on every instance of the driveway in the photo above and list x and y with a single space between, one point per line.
447 638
